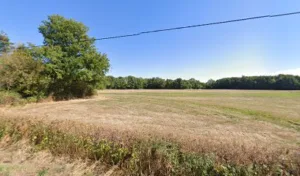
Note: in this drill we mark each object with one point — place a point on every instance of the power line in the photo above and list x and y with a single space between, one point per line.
193 26
199 25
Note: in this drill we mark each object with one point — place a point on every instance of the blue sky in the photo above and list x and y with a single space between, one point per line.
259 47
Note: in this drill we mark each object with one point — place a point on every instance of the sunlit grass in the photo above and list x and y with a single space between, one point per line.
147 157
216 93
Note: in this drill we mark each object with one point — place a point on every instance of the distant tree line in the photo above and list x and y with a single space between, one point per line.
279 82
131 82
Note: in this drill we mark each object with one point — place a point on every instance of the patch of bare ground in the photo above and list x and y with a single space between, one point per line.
197 120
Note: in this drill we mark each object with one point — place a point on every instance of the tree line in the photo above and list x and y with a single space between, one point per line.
278 82
131 82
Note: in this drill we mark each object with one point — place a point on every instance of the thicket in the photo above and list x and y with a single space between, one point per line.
278 82
68 65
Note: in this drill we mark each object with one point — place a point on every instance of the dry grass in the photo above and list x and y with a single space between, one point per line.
238 126
19 159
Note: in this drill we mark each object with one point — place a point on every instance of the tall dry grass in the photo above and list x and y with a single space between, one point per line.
133 155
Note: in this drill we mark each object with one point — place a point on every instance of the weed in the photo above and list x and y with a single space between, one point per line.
4 171
2 131
42 172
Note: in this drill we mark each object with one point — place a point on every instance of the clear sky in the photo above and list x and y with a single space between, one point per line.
259 47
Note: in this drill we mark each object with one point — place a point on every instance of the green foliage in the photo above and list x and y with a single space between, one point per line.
67 66
76 146
129 82
72 62
4 43
210 83
22 73
4 171
42 172
195 84
181 84
161 158
155 83
2 131
279 82
132 82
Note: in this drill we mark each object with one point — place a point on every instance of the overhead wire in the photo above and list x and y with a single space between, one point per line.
189 26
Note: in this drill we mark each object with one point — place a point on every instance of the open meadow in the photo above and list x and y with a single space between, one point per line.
235 126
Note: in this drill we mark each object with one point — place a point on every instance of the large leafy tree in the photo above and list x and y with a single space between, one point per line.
72 62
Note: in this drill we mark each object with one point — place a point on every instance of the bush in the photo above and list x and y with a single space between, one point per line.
22 73
10 98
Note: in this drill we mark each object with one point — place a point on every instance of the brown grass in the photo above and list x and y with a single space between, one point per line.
237 126
19 159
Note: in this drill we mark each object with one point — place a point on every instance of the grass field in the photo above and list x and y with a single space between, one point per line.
236 126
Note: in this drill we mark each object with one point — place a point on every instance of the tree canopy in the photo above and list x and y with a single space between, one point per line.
131 82
279 82
4 43
72 62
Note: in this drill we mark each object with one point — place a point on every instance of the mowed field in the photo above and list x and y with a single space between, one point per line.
241 126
